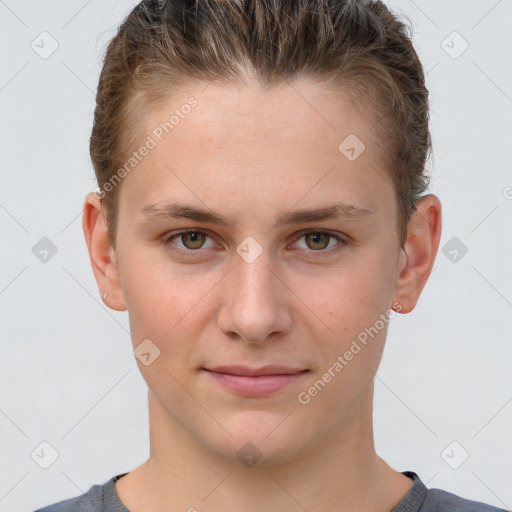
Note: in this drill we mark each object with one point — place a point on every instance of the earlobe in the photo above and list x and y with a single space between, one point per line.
419 252
101 253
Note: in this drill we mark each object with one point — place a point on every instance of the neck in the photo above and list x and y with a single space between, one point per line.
344 473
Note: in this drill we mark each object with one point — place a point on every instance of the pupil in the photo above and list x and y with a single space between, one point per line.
193 239
316 237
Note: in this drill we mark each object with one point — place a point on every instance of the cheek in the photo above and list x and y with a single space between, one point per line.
167 308
350 304
350 297
162 299
168 301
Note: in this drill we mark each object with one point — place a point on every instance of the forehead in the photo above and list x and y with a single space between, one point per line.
302 111
298 141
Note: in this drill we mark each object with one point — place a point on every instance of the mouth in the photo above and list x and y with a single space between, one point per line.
255 382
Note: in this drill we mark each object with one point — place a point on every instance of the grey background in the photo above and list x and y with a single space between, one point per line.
68 375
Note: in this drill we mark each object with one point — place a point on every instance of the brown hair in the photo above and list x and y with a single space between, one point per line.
357 47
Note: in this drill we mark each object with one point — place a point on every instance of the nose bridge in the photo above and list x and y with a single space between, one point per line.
254 279
256 306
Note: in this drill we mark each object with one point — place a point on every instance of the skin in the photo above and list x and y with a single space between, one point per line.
252 155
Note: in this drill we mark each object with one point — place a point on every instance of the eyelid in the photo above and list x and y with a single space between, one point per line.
167 239
341 239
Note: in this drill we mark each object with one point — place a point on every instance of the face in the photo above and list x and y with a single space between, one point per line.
256 282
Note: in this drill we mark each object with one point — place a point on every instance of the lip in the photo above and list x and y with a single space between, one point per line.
271 369
255 381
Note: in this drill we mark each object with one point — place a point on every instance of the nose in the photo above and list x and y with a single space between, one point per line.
255 302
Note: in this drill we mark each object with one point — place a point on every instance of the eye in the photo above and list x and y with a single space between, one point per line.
320 241
191 240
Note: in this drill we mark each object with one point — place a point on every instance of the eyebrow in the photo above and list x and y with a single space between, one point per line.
338 211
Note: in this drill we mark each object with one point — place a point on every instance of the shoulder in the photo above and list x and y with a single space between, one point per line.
443 501
421 499
99 498
87 502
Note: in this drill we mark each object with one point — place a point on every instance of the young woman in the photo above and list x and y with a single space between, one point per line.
261 215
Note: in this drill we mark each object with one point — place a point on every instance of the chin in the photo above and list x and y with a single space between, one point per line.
261 439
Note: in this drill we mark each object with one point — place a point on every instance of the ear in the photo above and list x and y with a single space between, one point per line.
101 253
419 253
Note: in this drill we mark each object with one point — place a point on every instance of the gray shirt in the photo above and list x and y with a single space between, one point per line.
104 498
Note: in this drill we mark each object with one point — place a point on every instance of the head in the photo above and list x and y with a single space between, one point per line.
257 113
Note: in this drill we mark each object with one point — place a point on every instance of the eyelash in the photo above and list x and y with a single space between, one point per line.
318 253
